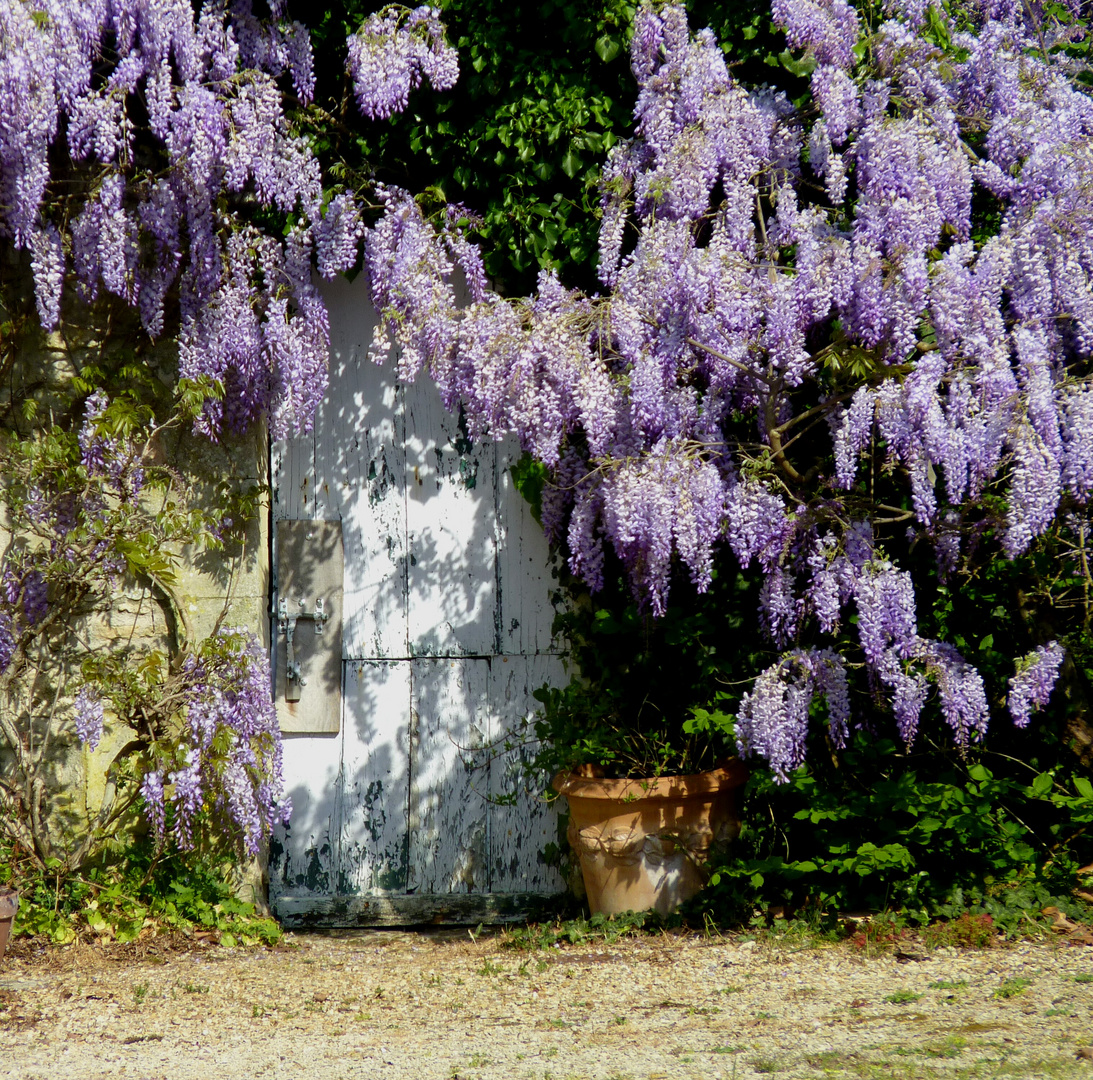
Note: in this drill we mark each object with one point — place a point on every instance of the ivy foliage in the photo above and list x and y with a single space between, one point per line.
131 895
545 91
930 833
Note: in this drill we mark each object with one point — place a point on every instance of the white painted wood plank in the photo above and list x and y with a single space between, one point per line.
448 811
292 473
360 463
376 775
304 855
451 532
520 829
524 580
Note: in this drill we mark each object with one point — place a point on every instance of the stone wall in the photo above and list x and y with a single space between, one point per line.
40 385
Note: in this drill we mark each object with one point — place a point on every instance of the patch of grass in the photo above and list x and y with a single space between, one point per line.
730 990
1010 988
140 992
606 928
1083 977
952 1047
619 1020
902 997
479 1061
949 984
764 1065
489 968
194 988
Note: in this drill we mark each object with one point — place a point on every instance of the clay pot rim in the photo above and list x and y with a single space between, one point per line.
9 902
732 774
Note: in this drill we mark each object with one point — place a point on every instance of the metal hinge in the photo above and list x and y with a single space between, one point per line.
286 624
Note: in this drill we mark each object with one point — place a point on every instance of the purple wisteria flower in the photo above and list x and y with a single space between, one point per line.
1031 687
151 793
677 397
230 749
205 85
393 52
89 717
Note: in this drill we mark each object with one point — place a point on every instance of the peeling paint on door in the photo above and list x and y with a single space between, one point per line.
446 633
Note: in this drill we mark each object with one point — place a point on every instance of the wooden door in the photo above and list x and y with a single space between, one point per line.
407 807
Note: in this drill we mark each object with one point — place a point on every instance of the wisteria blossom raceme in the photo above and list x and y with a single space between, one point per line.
1031 687
89 717
802 307
229 760
393 52
175 131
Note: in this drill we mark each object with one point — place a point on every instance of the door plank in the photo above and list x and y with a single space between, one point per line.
450 527
292 474
375 843
449 817
524 580
304 854
521 822
360 465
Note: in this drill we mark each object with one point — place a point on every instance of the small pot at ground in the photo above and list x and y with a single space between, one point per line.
644 843
9 905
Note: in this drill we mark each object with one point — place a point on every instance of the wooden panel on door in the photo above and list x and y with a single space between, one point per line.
521 821
375 843
451 526
449 817
360 477
524 580
307 623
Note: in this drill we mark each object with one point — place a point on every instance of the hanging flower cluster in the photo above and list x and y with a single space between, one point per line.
392 52
751 252
228 761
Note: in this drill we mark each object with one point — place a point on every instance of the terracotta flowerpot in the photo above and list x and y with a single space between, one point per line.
643 843
9 905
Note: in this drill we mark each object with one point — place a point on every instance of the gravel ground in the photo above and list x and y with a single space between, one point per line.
396 1005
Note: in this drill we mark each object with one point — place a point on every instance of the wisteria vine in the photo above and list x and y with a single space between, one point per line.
775 277
146 153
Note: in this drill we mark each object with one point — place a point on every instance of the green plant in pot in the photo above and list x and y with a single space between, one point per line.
639 743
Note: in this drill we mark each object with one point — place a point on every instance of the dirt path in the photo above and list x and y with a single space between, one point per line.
434 1007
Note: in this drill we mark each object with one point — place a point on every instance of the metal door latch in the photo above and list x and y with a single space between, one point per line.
286 624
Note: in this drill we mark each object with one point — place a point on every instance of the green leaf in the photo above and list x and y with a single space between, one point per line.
607 48
797 67
1043 784
1085 788
571 164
